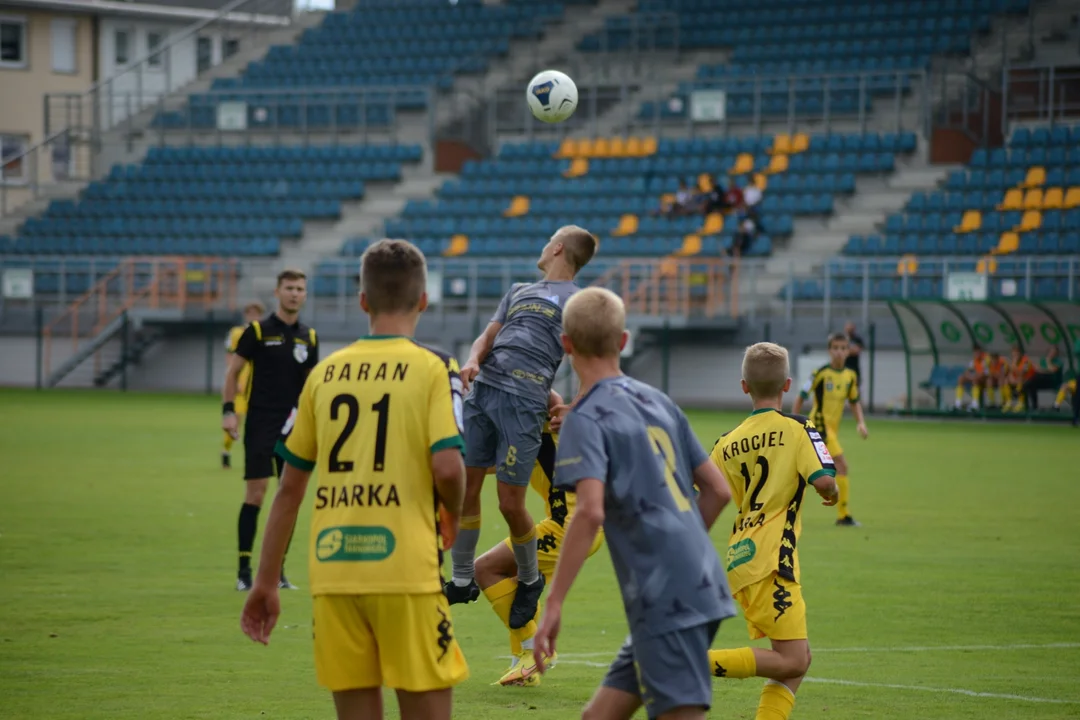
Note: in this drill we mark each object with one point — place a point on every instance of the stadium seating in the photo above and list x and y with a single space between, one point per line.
800 37
1020 200
395 49
502 207
210 200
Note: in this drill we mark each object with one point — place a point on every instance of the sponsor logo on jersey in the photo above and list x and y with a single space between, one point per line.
740 553
354 543
823 451
300 353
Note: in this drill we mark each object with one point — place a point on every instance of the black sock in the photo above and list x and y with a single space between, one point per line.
245 531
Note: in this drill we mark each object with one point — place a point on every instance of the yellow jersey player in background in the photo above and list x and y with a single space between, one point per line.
381 420
832 386
496 570
769 460
252 312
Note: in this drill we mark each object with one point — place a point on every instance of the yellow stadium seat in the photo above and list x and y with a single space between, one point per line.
1013 200
971 222
704 182
459 245
691 246
601 148
744 163
1072 198
908 265
761 181
1053 199
648 146
1033 199
1032 220
518 206
986 265
634 148
578 166
618 148
714 223
1036 177
585 148
777 164
628 225
800 143
1007 243
781 145
568 148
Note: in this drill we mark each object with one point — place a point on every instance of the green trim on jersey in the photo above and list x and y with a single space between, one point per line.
293 459
820 474
447 443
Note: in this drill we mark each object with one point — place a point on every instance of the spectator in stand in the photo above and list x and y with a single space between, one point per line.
714 199
733 198
1047 377
683 203
745 233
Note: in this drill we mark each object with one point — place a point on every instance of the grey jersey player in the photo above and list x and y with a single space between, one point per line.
633 460
513 363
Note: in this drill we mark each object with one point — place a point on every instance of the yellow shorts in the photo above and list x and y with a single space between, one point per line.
404 642
549 538
774 608
832 442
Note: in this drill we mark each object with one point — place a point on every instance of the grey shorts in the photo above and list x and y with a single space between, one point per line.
503 430
666 671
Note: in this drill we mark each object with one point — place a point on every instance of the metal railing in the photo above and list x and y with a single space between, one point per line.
760 103
970 105
1040 93
63 157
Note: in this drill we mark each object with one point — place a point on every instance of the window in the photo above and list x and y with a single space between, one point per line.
203 49
12 42
122 49
229 47
63 45
154 40
11 148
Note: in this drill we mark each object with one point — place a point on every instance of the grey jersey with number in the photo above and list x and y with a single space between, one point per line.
527 350
634 438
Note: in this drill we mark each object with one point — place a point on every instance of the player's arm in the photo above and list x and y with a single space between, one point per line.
245 350
263 605
582 464
816 464
857 411
804 393
447 446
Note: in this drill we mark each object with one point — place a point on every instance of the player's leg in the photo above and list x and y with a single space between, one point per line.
774 608
619 695
480 445
843 482
359 704
961 386
346 655
433 705
259 439
496 574
1062 393
520 425
674 671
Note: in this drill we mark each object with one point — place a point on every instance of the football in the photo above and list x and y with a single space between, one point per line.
552 96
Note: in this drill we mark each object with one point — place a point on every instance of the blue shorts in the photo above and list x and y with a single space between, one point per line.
666 671
503 430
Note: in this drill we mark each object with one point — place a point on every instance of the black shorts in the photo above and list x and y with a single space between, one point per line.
262 430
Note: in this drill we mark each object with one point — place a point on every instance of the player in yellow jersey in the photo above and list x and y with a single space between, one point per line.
381 420
496 570
832 386
252 312
769 460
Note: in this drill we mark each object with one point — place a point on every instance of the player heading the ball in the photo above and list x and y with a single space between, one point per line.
633 460
380 420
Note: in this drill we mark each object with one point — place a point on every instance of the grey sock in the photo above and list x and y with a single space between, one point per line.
525 554
463 554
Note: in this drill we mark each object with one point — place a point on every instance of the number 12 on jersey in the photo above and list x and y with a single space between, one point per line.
351 414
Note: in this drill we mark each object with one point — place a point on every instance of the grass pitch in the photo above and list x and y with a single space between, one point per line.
957 599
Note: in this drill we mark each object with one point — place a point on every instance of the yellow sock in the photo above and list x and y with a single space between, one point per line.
959 393
227 445
976 394
1007 393
777 702
844 488
501 597
738 663
1060 396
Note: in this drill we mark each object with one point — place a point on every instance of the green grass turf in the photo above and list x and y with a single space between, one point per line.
117 534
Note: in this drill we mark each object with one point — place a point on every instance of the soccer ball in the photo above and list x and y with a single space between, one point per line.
552 96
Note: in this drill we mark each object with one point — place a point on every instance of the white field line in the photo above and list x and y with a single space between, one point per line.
902 649
944 691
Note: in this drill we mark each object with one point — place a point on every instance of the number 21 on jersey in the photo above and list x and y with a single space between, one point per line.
661 443
351 407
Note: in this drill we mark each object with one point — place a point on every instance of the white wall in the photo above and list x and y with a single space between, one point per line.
144 85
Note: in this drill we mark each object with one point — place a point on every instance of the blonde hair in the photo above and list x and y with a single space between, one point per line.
393 276
594 320
579 245
765 368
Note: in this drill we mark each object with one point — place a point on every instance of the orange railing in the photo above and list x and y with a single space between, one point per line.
152 283
676 287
